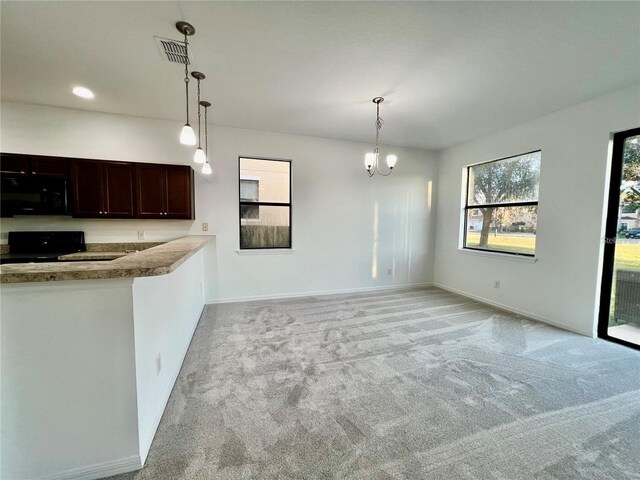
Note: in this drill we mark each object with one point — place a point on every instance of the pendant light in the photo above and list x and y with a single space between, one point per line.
371 159
206 168
187 136
199 156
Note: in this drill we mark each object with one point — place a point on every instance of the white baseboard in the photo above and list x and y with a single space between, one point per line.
99 470
317 293
145 443
509 308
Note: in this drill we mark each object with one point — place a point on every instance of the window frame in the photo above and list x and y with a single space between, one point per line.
468 207
266 204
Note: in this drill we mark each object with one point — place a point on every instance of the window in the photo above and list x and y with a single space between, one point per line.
501 208
265 203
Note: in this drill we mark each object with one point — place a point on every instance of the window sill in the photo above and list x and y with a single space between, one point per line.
266 251
498 256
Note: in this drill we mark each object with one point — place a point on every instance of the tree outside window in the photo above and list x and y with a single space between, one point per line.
505 193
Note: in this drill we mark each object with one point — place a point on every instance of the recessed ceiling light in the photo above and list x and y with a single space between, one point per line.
83 92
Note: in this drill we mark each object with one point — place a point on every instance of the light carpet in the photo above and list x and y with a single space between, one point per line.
406 384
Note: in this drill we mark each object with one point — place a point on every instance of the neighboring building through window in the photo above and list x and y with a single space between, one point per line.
501 210
265 203
249 188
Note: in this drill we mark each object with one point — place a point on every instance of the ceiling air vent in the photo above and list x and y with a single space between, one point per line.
172 50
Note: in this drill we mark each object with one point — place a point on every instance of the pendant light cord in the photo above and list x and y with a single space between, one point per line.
199 146
206 134
379 123
186 72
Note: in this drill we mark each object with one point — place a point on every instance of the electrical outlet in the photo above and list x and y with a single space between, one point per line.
158 364
496 284
205 227
140 234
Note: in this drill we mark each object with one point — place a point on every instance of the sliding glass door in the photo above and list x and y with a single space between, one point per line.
620 301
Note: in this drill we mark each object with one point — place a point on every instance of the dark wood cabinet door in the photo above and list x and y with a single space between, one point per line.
13 164
150 190
87 188
117 189
48 166
179 203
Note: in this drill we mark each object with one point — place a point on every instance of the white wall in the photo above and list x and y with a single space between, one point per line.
562 287
81 397
166 311
348 229
68 379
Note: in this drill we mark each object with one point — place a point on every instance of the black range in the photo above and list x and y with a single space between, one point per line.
39 247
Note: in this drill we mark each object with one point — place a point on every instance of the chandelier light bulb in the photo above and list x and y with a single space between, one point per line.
391 161
199 156
369 159
206 169
187 135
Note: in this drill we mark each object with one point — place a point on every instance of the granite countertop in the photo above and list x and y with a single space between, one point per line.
158 260
92 256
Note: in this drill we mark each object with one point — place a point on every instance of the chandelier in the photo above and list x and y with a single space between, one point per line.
371 159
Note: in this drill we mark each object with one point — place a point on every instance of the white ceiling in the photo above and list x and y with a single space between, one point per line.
450 71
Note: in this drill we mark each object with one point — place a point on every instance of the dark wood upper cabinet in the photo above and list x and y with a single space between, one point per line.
150 190
86 188
102 189
21 164
48 166
111 189
179 194
118 190
13 164
164 191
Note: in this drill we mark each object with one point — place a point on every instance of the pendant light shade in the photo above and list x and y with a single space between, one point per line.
369 160
199 156
391 161
206 169
187 135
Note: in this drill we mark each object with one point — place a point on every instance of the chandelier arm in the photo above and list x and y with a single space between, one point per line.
380 172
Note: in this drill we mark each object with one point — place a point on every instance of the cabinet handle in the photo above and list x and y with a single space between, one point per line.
33 173
22 171
100 213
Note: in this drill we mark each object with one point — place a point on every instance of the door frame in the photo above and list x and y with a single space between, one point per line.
610 237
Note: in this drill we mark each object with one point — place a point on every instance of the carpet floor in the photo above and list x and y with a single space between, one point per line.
407 384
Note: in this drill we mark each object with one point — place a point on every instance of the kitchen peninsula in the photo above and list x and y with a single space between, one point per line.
90 353
158 260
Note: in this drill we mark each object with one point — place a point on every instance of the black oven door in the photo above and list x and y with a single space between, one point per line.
34 196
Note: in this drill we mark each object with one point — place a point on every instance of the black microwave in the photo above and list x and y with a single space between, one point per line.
33 196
